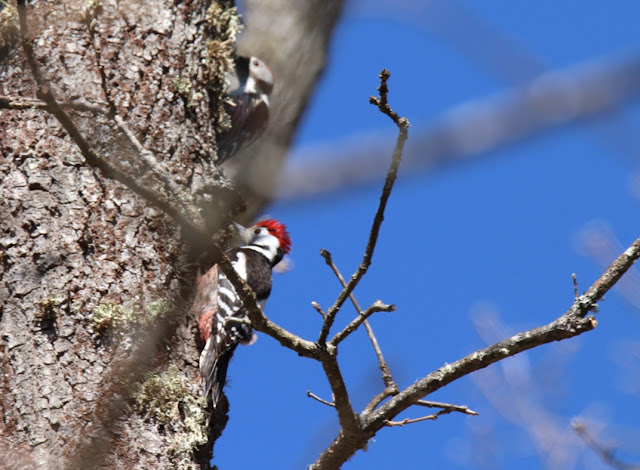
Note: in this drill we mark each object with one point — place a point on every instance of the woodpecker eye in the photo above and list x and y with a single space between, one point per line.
256 62
256 231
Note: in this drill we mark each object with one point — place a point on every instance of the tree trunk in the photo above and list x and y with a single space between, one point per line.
97 345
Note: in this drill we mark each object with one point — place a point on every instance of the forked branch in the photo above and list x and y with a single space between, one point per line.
403 134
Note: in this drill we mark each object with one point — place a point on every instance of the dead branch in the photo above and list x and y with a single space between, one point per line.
377 306
318 309
403 134
436 404
606 454
310 394
384 368
432 417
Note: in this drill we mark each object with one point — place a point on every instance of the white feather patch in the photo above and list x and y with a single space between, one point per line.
240 265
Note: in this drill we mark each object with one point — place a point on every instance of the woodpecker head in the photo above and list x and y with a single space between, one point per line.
254 77
269 237
259 78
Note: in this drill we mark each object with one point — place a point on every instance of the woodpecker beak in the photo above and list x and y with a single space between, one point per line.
243 232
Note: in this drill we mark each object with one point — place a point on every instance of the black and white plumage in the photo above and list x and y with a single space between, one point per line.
217 302
247 105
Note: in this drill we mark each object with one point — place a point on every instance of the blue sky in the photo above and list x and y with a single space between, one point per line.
469 254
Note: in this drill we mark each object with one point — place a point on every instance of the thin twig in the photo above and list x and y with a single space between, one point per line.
448 406
318 309
157 168
310 394
389 391
403 128
432 417
383 102
384 368
575 285
90 15
387 378
605 454
377 306
572 323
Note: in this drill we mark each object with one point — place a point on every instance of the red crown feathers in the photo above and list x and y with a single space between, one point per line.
279 231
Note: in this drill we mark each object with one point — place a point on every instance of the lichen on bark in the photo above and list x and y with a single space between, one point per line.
81 254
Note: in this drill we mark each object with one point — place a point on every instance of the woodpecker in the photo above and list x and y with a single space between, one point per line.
247 105
217 303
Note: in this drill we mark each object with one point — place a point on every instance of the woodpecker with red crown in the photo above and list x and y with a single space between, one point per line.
247 105
217 304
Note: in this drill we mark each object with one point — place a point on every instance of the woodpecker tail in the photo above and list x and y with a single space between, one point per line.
213 367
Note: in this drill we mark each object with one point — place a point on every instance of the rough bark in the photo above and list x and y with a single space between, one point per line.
97 348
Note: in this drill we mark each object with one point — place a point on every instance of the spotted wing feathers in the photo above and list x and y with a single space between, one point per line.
216 303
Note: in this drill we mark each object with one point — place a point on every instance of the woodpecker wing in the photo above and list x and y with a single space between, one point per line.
216 302
249 116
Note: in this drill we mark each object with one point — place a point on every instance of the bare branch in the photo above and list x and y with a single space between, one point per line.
389 391
382 364
90 14
605 454
572 323
383 103
377 306
446 409
349 420
436 404
318 309
310 394
384 368
403 134
432 417
567 326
